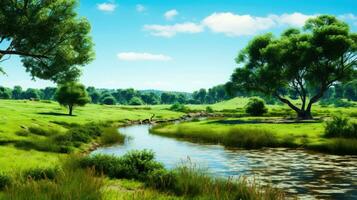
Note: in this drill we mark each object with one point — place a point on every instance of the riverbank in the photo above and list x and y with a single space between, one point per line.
260 132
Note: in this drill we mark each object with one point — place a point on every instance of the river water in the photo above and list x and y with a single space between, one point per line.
305 174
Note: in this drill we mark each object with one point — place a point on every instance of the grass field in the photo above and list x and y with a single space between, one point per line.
17 116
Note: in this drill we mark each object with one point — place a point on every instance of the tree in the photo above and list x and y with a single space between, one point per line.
308 61
5 93
17 92
51 40
109 100
350 90
72 94
31 93
135 101
49 93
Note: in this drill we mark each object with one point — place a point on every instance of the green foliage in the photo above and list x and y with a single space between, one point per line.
51 40
133 165
179 107
135 101
256 107
109 100
41 173
5 180
71 183
341 127
307 61
72 94
209 109
111 136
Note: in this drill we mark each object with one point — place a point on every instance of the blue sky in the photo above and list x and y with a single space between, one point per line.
180 45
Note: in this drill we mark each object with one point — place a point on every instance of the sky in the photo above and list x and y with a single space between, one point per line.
178 45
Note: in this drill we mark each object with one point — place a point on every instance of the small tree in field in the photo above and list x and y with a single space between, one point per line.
256 107
72 94
307 61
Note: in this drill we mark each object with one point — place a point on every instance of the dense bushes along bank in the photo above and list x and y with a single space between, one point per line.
82 178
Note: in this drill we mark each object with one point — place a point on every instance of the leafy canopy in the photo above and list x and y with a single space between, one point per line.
72 94
308 61
51 40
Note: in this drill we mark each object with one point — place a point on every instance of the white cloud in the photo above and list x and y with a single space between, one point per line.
236 25
349 17
136 56
106 7
140 8
171 14
294 19
172 30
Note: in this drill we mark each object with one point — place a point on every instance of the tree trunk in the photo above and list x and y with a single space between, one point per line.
70 108
304 114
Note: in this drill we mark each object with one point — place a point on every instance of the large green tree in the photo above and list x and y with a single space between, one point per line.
51 40
308 61
72 94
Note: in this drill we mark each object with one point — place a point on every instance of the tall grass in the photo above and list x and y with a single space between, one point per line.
250 138
69 183
111 136
192 182
341 127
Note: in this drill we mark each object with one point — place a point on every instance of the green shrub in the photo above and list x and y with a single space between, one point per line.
179 107
22 132
111 136
135 101
341 127
41 173
209 109
342 103
133 165
42 132
256 107
5 180
161 179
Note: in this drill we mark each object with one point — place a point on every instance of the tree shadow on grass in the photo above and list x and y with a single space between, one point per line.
55 114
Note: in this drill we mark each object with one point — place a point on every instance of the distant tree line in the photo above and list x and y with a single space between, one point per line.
123 96
153 97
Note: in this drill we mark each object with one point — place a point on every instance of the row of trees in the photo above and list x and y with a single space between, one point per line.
124 96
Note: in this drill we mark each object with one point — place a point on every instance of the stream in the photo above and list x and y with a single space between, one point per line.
305 174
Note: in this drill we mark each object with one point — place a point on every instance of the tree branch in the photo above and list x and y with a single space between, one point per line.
292 106
11 52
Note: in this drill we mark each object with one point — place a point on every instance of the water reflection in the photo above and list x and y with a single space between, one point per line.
310 175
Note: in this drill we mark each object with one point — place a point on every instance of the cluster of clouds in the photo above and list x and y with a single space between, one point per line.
230 24
227 23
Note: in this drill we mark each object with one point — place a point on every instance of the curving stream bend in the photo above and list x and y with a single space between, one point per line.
308 175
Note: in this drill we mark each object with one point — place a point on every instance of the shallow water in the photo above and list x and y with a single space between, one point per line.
309 175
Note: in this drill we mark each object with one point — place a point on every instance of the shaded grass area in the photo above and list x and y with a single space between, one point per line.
257 133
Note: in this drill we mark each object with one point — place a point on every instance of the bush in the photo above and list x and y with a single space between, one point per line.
209 109
5 180
41 173
342 103
256 107
111 136
133 165
161 179
179 108
135 101
42 132
340 127
110 100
